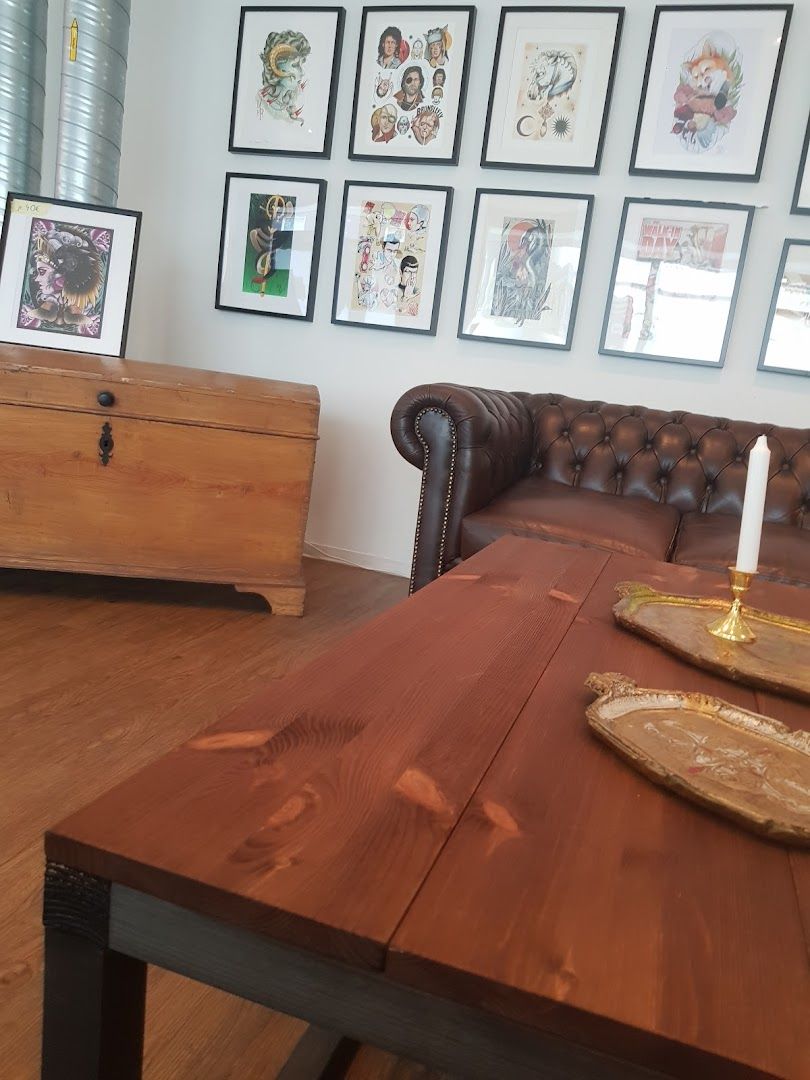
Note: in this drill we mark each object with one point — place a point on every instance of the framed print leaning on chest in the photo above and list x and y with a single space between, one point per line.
286 80
551 88
709 89
390 265
411 84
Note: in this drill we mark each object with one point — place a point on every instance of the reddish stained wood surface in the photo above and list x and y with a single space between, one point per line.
577 896
314 813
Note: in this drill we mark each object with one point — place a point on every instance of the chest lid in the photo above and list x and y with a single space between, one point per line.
49 378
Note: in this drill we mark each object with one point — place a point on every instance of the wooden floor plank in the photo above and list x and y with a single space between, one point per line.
63 731
683 942
314 812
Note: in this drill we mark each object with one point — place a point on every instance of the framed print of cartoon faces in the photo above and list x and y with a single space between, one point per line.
524 269
551 88
411 84
391 257
286 80
676 276
709 89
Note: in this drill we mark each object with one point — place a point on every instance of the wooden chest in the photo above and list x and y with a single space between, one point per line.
146 470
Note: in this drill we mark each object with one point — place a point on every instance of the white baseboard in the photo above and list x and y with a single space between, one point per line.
357 558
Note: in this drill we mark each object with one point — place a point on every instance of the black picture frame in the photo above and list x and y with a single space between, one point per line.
486 163
794 207
137 215
462 98
326 152
316 244
699 204
448 208
761 365
575 197
636 170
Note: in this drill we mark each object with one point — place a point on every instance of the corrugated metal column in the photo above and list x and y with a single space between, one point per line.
91 106
23 32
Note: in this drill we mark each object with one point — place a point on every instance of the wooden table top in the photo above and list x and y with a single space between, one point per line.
426 799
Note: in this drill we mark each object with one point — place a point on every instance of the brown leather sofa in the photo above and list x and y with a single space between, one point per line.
658 485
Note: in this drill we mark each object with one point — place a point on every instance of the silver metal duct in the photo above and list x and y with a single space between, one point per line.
91 106
23 32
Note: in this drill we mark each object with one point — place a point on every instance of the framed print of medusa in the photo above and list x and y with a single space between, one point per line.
524 268
709 89
676 277
270 245
66 274
391 256
411 84
286 80
551 87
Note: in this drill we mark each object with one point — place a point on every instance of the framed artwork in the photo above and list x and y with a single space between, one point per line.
270 245
286 80
551 88
391 256
786 345
801 194
524 267
411 84
709 89
675 280
66 274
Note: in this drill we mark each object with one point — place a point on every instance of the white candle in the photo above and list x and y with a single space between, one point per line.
756 486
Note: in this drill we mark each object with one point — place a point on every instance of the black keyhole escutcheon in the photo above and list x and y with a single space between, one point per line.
105 444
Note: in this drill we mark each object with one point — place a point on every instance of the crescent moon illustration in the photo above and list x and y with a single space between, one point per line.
520 124
280 52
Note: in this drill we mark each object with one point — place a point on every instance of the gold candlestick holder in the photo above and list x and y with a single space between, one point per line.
732 626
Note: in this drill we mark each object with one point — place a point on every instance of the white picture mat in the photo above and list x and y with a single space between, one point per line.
692 306
233 247
597 32
569 216
789 340
417 23
758 35
266 132
117 288
436 201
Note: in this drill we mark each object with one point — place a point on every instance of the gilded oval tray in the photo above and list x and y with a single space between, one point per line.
778 660
745 766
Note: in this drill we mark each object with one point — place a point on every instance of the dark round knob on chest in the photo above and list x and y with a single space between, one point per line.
106 398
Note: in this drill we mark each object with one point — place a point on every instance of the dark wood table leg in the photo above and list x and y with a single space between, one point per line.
94 998
319 1055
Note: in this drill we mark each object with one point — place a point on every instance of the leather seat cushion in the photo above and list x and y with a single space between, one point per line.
546 510
709 541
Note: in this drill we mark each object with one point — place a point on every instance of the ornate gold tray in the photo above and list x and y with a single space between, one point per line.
742 765
778 660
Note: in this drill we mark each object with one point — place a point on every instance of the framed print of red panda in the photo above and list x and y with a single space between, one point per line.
709 89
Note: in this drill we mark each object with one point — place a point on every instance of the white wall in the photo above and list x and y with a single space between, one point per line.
364 501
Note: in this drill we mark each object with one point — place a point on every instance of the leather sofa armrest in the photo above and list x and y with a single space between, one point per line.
471 444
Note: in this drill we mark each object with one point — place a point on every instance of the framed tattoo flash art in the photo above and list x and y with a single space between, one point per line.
675 280
286 80
551 88
66 274
524 268
709 89
270 245
391 256
411 83
786 345
801 194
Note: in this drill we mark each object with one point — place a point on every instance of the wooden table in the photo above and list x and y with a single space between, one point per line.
415 841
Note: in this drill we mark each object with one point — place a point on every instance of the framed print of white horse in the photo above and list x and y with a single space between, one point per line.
551 88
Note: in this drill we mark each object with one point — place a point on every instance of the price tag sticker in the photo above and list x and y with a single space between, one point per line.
30 208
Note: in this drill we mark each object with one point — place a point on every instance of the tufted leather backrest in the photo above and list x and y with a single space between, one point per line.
692 462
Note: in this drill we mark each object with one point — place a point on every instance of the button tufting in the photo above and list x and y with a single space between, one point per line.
564 431
578 467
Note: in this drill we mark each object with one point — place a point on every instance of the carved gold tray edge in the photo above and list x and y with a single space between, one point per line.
635 595
613 687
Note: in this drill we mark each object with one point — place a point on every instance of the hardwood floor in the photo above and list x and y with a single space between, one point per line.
97 678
